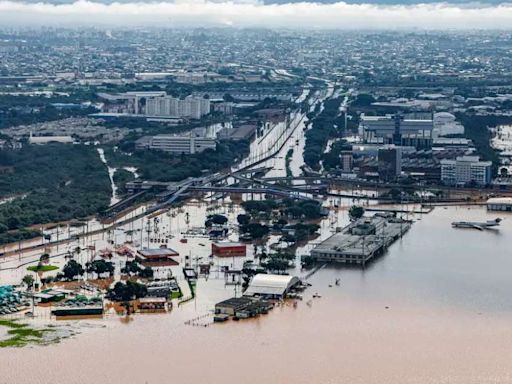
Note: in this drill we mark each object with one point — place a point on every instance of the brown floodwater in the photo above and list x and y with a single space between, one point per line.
436 308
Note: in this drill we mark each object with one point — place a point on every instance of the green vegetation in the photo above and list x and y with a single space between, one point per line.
256 230
121 177
301 232
72 269
54 182
356 212
99 267
20 334
161 166
133 268
215 219
331 159
296 209
257 206
363 100
476 129
24 110
42 268
29 281
17 235
127 291
322 129
288 160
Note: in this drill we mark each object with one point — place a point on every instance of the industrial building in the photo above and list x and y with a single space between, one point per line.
395 129
186 144
466 169
271 286
500 204
362 240
243 307
228 249
445 124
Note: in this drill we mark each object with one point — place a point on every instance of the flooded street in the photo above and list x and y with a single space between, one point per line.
436 308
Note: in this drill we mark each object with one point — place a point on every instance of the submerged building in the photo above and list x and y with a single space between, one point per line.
361 241
271 286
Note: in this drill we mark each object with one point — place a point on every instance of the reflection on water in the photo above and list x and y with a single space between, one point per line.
436 308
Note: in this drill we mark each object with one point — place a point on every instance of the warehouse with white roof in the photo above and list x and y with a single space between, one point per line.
271 286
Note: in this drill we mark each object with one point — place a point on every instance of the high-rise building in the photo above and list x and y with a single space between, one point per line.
390 163
466 169
347 160
190 107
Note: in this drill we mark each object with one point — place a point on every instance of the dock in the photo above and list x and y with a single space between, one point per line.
361 241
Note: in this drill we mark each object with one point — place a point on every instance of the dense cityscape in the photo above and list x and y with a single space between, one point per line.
181 192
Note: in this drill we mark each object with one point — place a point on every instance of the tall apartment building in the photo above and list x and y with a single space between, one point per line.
466 169
191 107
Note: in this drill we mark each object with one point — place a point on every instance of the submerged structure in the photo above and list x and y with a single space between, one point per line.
361 241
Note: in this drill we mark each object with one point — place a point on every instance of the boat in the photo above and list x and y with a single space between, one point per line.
316 296
489 224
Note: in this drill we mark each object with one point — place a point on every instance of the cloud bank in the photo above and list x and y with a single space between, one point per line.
248 13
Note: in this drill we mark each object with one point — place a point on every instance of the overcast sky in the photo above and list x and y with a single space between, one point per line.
249 13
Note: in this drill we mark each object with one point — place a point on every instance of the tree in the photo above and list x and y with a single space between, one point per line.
45 258
100 267
147 273
126 292
243 219
276 265
72 269
356 212
256 230
28 280
216 219
131 267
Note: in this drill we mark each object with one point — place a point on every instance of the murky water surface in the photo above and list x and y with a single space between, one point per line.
436 308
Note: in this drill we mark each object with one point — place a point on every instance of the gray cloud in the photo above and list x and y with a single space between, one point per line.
247 13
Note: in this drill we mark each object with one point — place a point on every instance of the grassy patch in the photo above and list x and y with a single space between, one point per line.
42 268
20 334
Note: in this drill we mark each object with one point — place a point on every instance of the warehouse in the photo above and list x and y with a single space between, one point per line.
271 286
500 204
226 249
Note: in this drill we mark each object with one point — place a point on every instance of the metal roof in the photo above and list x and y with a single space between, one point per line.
265 284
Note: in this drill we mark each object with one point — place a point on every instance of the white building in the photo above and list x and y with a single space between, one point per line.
382 129
272 286
466 169
191 107
181 144
445 124
500 204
